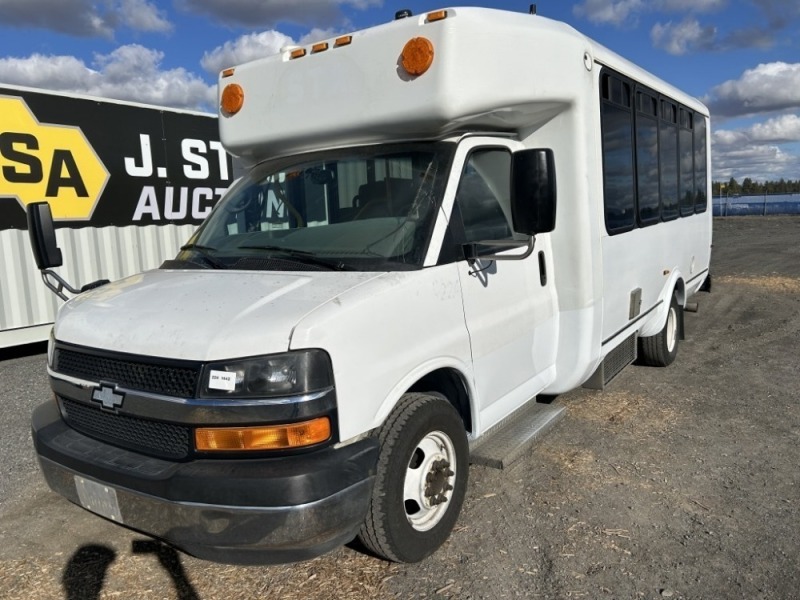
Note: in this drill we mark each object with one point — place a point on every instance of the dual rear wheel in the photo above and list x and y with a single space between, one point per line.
661 349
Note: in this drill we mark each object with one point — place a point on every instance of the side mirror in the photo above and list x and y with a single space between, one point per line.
533 191
46 252
43 236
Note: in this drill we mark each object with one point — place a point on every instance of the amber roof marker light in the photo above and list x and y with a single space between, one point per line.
232 99
417 56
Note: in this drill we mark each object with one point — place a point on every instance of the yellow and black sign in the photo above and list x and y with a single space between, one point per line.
100 163
48 162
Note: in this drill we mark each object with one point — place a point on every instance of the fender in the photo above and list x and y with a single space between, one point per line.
463 370
656 321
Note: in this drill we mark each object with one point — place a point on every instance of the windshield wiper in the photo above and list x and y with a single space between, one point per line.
302 257
206 253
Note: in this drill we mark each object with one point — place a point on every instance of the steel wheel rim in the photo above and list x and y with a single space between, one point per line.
672 329
429 480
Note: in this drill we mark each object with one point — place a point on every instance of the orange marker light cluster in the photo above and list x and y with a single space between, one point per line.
417 56
232 99
344 40
272 437
437 15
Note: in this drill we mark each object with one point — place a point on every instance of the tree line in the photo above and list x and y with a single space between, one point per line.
748 187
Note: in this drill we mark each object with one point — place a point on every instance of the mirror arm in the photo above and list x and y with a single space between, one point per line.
54 281
471 250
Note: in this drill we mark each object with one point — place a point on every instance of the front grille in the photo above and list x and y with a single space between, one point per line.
169 380
165 440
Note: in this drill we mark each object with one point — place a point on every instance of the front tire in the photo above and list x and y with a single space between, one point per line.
661 349
421 479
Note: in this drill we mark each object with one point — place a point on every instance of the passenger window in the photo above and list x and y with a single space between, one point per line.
484 197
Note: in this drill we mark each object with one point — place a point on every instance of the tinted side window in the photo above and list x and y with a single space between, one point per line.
618 178
647 159
686 163
668 151
700 163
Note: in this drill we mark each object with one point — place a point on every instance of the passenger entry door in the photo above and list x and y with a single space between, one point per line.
509 305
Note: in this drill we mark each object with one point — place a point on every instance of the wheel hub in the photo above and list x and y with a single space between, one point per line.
437 482
430 478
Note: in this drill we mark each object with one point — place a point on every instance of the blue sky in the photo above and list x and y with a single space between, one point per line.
742 57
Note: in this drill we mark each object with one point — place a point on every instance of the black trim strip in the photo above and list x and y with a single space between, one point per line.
639 318
700 274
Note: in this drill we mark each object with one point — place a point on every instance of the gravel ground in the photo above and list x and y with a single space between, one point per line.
672 483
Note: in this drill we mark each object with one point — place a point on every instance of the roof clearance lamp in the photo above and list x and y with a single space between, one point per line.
417 56
232 99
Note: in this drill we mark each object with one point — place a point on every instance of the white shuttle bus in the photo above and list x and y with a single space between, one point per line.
446 217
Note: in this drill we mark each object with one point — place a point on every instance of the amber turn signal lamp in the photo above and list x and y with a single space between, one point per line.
232 99
272 437
343 41
417 55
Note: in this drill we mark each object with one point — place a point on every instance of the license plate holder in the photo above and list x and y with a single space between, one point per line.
99 498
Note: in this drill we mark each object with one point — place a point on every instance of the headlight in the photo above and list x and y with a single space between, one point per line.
288 374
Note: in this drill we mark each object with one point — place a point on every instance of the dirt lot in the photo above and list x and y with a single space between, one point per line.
680 482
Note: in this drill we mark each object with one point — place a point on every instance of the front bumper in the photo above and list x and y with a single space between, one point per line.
239 511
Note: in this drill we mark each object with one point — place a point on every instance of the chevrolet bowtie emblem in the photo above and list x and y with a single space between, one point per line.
108 398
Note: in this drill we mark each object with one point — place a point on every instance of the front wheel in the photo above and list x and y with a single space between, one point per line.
661 349
421 479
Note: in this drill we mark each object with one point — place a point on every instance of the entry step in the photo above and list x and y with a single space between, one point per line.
513 436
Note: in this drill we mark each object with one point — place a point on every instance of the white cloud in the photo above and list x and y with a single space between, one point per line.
619 12
143 16
785 128
690 35
267 13
760 151
51 72
777 130
257 45
317 35
696 6
769 87
84 18
683 37
756 161
130 72
613 12
246 48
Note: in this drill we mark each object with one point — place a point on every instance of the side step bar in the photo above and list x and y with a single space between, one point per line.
513 436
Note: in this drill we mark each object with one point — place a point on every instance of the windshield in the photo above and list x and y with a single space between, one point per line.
365 209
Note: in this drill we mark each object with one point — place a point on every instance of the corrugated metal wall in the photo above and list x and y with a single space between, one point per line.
89 254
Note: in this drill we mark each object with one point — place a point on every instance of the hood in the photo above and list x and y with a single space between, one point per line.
199 315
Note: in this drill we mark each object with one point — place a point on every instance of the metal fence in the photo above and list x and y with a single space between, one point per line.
730 206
